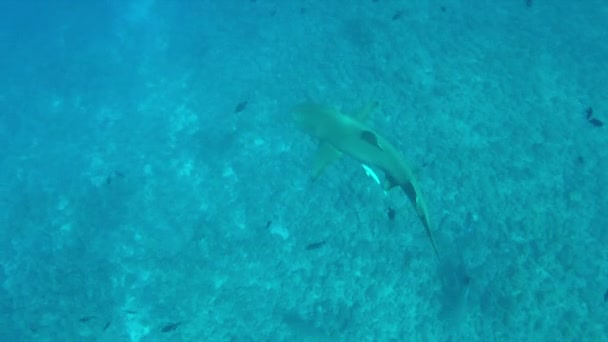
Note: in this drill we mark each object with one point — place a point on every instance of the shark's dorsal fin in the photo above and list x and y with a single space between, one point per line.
325 156
371 138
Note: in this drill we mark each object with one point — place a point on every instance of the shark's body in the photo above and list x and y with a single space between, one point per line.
342 134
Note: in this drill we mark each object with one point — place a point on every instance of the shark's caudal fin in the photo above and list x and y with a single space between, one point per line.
429 233
420 207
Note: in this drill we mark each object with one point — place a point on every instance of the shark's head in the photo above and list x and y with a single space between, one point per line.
314 118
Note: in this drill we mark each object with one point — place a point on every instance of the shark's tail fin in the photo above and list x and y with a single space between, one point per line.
424 217
420 207
430 235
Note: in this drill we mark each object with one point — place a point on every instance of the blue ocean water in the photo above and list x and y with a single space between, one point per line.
154 187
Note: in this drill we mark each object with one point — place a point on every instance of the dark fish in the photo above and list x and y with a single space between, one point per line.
170 327
268 224
315 245
588 113
240 107
86 319
391 213
596 122
397 15
606 296
113 175
105 327
130 312
528 3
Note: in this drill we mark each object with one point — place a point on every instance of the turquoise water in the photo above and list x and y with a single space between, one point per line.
154 187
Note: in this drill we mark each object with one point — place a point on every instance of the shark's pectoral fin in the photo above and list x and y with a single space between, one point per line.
325 156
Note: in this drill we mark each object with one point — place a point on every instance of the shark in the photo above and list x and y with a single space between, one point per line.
339 134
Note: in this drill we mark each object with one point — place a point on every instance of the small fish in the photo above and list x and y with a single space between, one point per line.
606 296
86 319
170 327
596 122
113 175
240 107
130 312
397 15
315 245
528 3
390 212
268 224
105 327
588 113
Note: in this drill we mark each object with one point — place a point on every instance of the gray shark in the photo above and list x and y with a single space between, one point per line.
340 134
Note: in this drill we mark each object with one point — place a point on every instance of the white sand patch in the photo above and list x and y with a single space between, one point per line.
228 172
56 104
279 230
66 228
185 170
62 204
